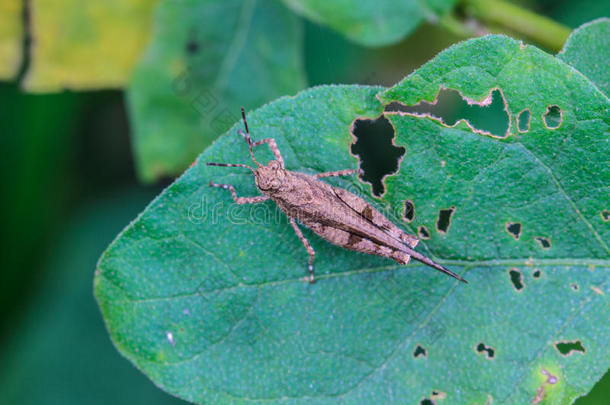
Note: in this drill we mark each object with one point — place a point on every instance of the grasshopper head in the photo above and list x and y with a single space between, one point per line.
270 177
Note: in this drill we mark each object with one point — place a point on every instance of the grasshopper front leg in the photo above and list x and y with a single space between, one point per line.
308 247
269 141
240 200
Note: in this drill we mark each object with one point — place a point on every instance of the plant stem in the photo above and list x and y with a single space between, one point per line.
540 29
455 26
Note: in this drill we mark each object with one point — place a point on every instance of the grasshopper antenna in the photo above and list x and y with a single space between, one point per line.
249 140
423 259
231 165
247 136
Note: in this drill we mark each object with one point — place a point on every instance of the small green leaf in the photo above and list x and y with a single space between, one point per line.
11 38
196 74
85 44
207 297
588 51
372 23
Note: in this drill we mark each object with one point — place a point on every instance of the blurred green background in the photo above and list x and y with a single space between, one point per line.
69 186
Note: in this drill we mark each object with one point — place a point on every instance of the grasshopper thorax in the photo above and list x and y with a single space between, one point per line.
271 177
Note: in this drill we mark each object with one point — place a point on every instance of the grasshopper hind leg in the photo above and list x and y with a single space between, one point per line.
354 242
308 247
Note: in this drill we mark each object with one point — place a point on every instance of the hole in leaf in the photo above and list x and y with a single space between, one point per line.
537 273
427 401
545 243
488 350
605 215
567 348
374 145
574 286
420 351
552 117
523 120
444 219
450 107
517 279
514 228
409 211
423 232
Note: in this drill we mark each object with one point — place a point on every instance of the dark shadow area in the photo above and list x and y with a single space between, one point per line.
419 351
444 219
552 117
423 232
374 146
545 243
567 348
517 279
489 351
514 228
409 211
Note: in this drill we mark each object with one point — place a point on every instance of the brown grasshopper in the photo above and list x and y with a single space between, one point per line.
332 213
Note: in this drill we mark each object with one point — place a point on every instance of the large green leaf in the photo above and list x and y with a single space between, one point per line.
85 44
372 23
588 51
197 73
207 297
11 38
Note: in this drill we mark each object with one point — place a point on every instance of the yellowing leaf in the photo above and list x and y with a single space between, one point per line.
85 44
11 37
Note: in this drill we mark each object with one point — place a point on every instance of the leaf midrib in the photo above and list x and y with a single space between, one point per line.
528 262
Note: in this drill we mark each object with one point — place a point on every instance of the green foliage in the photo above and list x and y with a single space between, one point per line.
574 13
372 23
207 297
196 74
588 51
58 351
34 173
